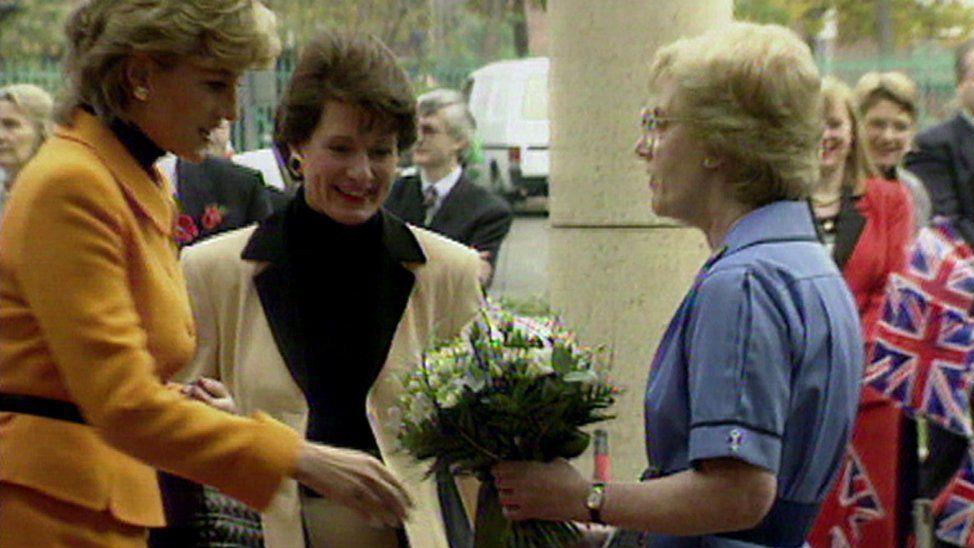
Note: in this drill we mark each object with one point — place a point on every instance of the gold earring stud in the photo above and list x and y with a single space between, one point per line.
294 165
140 93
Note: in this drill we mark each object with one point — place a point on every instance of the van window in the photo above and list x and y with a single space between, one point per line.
535 104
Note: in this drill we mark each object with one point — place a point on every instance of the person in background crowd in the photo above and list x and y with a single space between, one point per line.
753 390
94 315
440 196
26 115
275 164
315 314
220 145
216 194
888 103
943 158
868 223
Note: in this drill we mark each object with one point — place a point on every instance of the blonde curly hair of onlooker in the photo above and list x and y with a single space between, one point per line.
36 104
102 34
751 93
858 166
894 86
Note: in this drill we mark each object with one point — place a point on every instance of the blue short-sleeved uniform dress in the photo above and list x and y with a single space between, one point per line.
762 362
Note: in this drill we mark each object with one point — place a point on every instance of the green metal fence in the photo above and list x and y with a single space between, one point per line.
46 73
255 126
930 67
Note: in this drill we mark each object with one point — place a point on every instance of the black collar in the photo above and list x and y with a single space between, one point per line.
267 241
143 149
135 141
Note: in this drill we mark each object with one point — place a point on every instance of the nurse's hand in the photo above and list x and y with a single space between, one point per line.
354 479
534 490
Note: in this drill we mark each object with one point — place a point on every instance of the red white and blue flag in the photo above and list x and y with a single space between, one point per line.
954 508
858 500
923 350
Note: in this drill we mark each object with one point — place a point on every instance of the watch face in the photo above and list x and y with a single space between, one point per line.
594 500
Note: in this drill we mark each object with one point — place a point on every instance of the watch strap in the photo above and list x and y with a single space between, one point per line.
594 502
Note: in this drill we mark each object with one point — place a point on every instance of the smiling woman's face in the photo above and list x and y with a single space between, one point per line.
348 164
837 138
183 104
889 132
18 137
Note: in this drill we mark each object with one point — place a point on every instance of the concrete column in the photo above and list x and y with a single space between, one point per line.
617 271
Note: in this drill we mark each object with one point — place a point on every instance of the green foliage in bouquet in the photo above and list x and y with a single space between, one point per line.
509 388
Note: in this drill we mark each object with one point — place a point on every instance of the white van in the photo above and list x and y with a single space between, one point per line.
509 100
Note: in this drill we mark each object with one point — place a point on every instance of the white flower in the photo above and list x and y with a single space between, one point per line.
539 362
393 418
420 409
584 376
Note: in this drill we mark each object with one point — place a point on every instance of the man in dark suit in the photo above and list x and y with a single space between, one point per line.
943 158
943 155
439 195
217 195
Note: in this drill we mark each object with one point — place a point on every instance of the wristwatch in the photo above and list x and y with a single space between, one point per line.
594 501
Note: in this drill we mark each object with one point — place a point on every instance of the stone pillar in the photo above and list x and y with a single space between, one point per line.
617 271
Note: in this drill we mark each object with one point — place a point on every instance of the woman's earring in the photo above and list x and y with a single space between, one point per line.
294 166
141 93
710 163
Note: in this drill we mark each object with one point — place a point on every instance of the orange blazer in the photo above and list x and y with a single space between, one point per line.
93 310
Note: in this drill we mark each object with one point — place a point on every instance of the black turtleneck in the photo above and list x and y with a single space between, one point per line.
138 144
338 269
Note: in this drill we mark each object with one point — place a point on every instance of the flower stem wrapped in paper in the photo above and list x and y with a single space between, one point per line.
509 388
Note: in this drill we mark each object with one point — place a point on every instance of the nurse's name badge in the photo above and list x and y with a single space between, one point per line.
735 438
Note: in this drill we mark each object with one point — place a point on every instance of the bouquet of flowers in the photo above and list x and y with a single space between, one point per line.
509 388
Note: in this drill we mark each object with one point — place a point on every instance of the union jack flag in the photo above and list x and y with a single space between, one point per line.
858 498
924 348
954 508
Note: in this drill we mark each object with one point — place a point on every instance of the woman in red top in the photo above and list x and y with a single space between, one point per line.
867 223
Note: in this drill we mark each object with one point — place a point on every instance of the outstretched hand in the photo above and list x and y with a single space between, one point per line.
356 480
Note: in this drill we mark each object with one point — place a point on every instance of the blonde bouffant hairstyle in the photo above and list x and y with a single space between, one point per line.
858 167
751 94
102 35
894 86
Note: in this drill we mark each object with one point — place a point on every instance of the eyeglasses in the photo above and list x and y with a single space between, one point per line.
651 122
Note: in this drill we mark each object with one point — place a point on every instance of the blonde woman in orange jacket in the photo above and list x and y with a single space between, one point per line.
94 315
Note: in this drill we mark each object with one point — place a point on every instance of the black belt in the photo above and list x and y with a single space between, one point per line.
41 407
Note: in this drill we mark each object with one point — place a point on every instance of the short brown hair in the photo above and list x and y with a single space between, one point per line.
352 68
102 34
894 86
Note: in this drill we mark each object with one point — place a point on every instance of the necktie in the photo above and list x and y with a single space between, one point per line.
429 204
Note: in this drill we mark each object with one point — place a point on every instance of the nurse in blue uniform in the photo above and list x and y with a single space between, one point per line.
753 390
